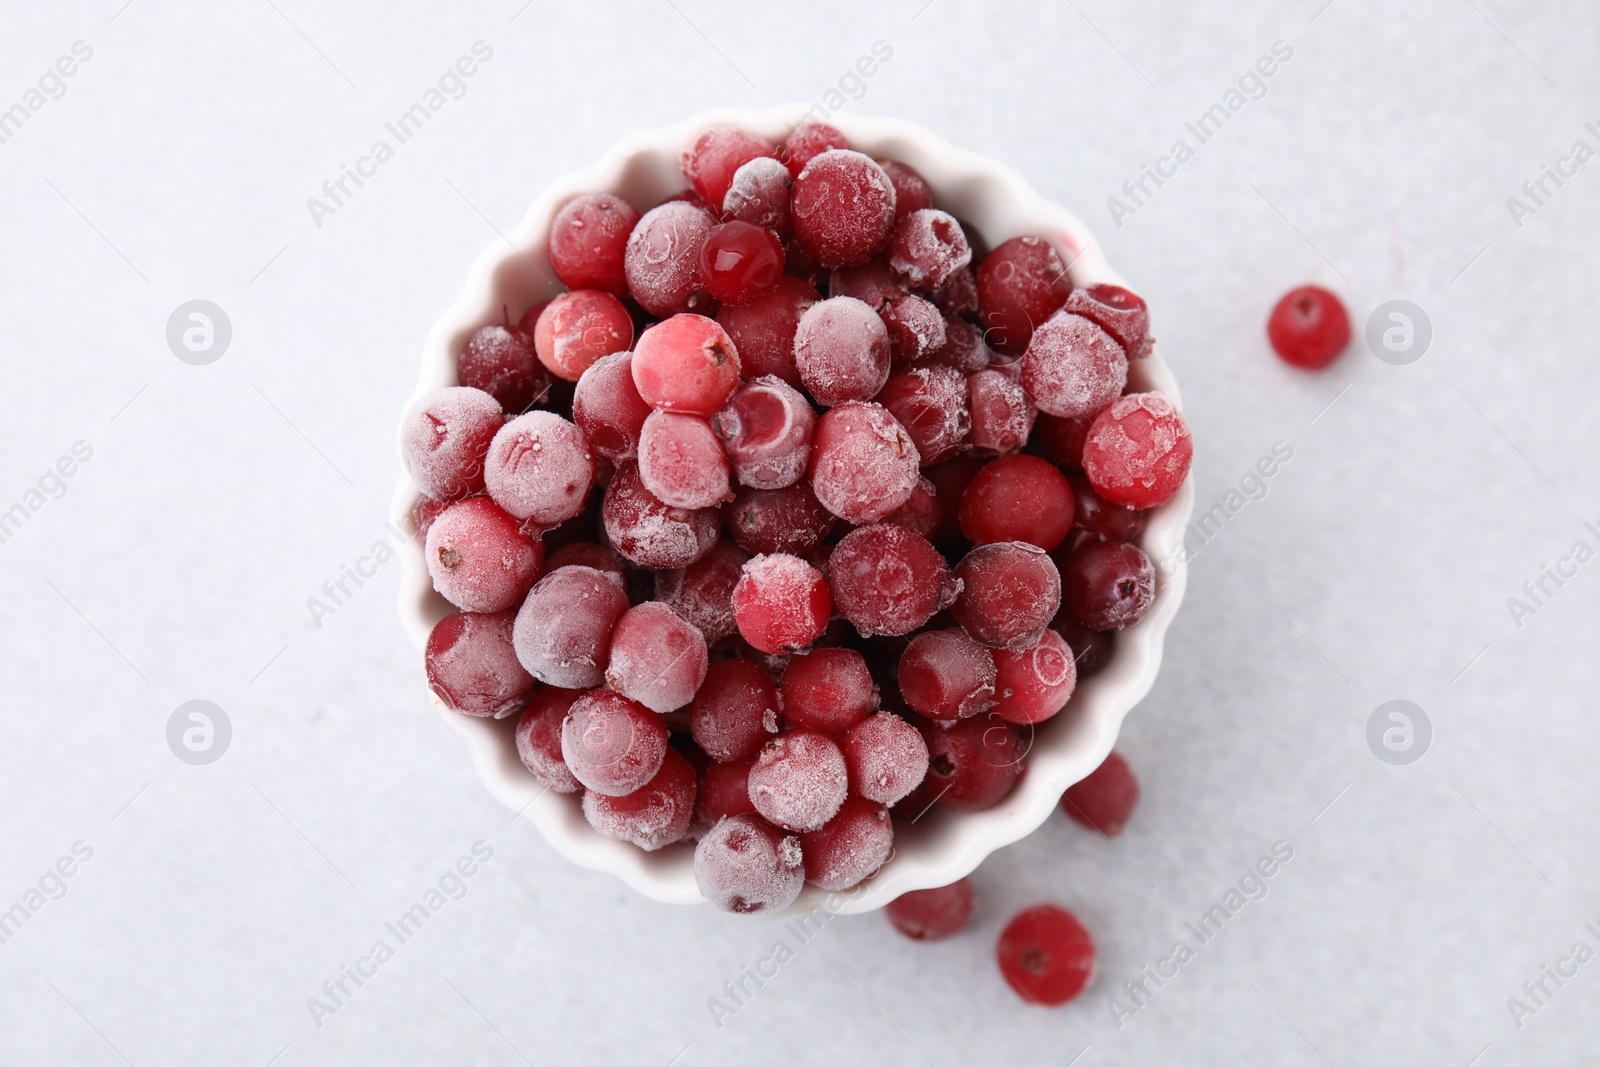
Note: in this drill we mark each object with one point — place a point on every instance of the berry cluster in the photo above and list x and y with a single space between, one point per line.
798 508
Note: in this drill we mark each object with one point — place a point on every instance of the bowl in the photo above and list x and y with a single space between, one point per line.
940 847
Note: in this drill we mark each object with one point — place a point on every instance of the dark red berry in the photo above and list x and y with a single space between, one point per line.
974 763
1119 312
843 207
1108 585
1104 800
1020 285
932 914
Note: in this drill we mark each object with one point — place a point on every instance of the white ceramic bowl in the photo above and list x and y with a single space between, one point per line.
942 846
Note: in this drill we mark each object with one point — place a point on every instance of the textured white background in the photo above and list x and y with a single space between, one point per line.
179 561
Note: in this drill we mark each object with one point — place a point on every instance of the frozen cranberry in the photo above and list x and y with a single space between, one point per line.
1106 798
563 629
946 675
472 666
1046 955
579 327
479 558
888 580
539 468
445 437
702 592
717 154
1096 518
886 756
951 479
651 533
778 520
932 914
1138 451
928 249
682 462
863 463
1001 415
657 657
654 815
586 554
843 205
503 363
1119 312
662 262
799 780
423 512
739 261
748 866
1073 367
963 348
763 329
1309 327
736 710
686 364
539 738
759 194
958 296
911 192
874 282
611 744
1018 498
1061 440
841 349
608 408
921 512
1020 285
1091 649
1108 585
587 240
973 764
807 141
1035 683
781 603
1009 594
850 848
828 689
725 791
766 430
916 329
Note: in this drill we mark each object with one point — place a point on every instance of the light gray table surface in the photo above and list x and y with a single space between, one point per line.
176 561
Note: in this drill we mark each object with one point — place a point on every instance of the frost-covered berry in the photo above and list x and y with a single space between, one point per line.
649 532
538 738
1000 412
874 282
1118 311
472 666
588 239
654 815
563 629
863 463
748 866
843 207
1036 682
850 848
611 744
607 407
828 690
479 558
759 194
911 191
1009 594
540 468
1138 451
445 437
841 349
682 462
1073 367
807 141
945 674
579 327
502 362
736 710
766 429
686 364
725 792
657 657
887 758
799 780
1020 285
928 248
888 580
662 261
702 592
916 329
931 403
778 520
716 156
781 603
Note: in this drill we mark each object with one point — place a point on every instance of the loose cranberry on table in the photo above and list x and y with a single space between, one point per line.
1309 327
1046 955
1106 798
932 914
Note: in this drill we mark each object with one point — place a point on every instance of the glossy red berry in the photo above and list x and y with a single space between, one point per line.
1104 800
1046 955
1309 327
932 914
1108 585
739 261
1018 498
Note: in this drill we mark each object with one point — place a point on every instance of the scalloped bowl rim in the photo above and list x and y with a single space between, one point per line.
945 846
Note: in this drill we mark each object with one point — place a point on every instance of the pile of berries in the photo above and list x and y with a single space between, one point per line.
793 515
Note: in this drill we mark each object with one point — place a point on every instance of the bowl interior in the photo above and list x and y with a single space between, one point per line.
940 846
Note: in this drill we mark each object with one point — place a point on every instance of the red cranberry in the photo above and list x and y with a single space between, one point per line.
1073 367
1018 498
921 512
702 592
888 580
766 430
928 249
1090 648
828 689
717 154
539 738
863 463
781 603
579 327
931 403
887 758
739 261
1108 585
1096 518
807 141
1009 594
472 666
663 259
686 364
843 207
945 674
586 554
608 408
1046 955
423 512
974 763
853 845
612 744
916 329
874 282
963 348
479 558
445 437
503 363
735 712
651 533
911 192
1020 285
658 657
932 914
587 240
778 520
654 815
759 194
1061 440
1119 312
1036 682
763 329
1138 451
958 296
1106 798
539 468
799 780
748 866
682 462
1309 327
1002 417
841 348
725 791
563 629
